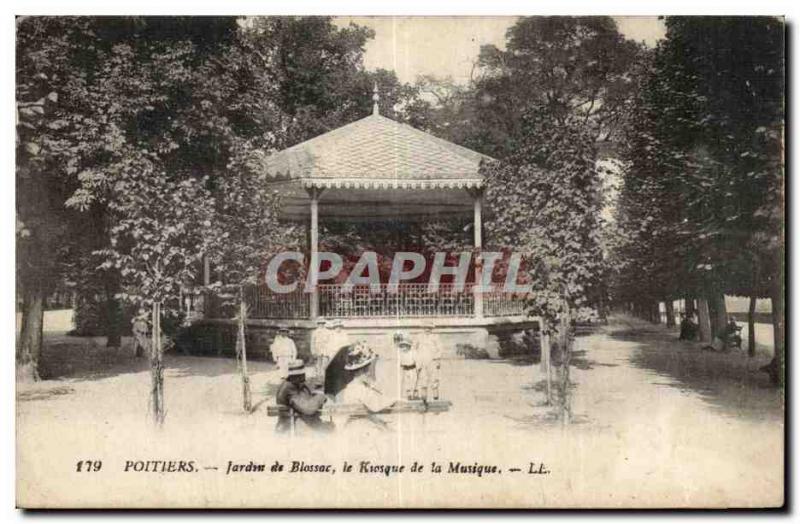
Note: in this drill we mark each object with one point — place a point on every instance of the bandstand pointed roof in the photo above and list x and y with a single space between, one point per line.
377 152
377 168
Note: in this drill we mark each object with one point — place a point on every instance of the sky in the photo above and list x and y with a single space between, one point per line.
448 46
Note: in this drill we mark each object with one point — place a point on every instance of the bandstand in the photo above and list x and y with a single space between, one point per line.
377 170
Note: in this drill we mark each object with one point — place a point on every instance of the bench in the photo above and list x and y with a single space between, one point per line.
401 406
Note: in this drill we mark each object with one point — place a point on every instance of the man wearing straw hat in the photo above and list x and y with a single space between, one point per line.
283 351
303 404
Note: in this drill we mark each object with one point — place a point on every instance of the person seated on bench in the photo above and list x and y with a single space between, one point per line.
304 404
361 388
731 334
688 328
726 338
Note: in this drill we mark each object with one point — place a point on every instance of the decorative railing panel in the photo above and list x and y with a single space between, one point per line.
264 303
499 303
403 300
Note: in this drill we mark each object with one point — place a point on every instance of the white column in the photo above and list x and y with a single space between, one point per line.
314 252
477 226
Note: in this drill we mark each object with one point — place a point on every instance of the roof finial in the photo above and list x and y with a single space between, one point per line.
375 98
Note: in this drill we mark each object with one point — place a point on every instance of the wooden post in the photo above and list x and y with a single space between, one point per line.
751 327
206 295
314 252
247 403
156 368
566 358
544 337
477 226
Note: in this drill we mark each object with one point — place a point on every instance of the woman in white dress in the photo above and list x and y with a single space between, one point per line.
362 390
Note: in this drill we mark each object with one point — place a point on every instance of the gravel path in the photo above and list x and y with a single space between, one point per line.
655 423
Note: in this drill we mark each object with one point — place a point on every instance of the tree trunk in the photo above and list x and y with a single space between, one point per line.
670 307
241 355
113 316
720 314
689 306
157 369
751 327
778 329
751 311
29 347
704 320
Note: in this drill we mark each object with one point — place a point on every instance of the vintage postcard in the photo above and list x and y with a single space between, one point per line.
400 262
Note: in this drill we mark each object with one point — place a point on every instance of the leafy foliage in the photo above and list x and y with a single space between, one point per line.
161 233
702 189
546 201
570 67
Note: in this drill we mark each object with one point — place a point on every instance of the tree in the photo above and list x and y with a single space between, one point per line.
136 154
706 162
44 51
319 81
248 233
546 201
739 72
85 86
650 243
242 123
162 229
571 67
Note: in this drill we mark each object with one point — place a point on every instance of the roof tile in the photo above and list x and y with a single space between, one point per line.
375 147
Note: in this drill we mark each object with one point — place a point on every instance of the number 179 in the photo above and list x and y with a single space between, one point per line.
89 465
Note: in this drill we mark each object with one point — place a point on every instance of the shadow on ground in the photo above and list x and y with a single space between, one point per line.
579 360
88 359
730 383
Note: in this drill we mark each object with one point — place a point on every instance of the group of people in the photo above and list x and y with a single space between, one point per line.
328 339
728 336
345 374
420 363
